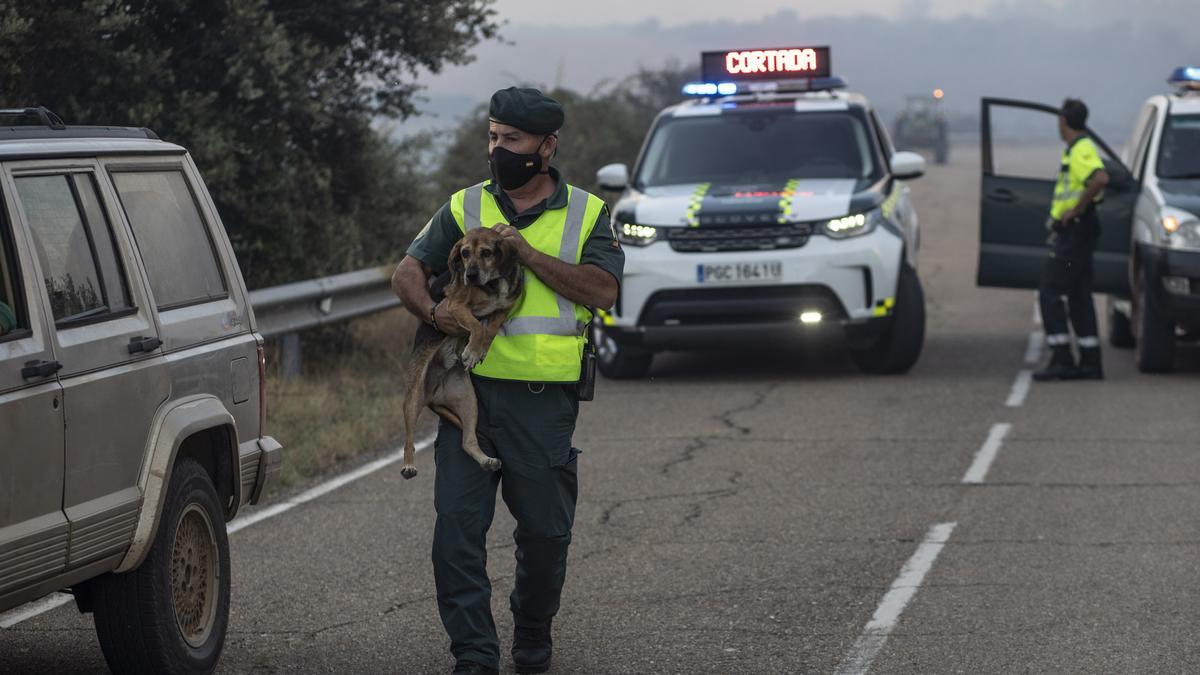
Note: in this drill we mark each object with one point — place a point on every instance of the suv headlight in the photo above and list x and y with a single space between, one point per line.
1182 228
636 235
853 225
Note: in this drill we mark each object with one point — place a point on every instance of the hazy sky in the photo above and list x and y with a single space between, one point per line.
690 11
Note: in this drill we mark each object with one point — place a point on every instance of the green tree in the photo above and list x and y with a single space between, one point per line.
274 98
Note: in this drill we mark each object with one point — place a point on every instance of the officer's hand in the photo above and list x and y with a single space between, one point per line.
446 323
525 252
1070 216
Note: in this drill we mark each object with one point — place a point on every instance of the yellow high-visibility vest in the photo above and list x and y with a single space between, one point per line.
544 336
1079 162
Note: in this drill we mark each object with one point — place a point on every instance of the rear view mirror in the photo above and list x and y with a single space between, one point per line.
907 165
613 176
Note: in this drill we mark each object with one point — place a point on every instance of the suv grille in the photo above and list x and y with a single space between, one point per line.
742 238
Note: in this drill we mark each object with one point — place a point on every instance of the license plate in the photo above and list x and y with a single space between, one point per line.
740 273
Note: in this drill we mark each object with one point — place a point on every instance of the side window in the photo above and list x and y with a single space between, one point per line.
83 276
172 236
13 319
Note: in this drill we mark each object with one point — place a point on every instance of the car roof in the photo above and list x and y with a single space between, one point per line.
1185 104
801 102
33 142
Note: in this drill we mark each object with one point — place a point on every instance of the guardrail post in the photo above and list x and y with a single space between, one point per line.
289 355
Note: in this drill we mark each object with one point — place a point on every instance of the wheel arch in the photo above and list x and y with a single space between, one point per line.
197 427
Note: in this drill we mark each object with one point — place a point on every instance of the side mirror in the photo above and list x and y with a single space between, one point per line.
613 177
907 165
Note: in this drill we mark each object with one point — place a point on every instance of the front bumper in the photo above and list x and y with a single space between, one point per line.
663 305
1159 263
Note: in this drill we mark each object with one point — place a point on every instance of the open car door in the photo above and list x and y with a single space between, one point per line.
1021 155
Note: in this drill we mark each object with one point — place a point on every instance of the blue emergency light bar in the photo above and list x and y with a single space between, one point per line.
715 89
1187 77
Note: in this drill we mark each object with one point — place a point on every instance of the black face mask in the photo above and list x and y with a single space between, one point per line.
512 170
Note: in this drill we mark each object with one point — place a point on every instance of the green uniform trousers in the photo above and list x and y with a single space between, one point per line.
529 428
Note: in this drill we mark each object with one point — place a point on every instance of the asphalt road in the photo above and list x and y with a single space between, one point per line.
748 510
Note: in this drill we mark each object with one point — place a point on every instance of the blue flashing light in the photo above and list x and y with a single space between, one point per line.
1185 76
700 89
727 88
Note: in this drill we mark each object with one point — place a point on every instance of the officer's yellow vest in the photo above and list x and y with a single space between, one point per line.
1071 184
544 336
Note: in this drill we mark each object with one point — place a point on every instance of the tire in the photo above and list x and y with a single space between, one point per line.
898 348
142 626
619 362
1155 348
1120 328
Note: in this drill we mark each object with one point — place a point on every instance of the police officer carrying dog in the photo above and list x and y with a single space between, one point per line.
528 385
1068 271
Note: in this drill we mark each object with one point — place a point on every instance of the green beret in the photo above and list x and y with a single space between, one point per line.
526 109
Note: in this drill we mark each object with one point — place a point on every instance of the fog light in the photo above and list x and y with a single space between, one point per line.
810 317
1178 285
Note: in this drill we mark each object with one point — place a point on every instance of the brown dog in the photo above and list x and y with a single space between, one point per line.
485 282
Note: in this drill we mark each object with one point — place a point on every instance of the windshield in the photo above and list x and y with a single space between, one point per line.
760 146
1179 150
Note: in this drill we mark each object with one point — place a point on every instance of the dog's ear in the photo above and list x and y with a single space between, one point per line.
457 268
508 257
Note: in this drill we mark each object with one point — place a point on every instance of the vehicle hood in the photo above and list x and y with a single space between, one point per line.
1181 193
799 200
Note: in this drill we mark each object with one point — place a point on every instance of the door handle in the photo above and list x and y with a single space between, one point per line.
34 369
1002 195
143 344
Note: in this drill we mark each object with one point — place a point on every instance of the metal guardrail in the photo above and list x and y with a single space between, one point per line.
284 311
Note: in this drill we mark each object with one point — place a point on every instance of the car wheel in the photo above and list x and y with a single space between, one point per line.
619 362
898 348
1120 328
170 614
1155 348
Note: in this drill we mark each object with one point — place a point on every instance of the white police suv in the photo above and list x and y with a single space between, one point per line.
768 205
1148 256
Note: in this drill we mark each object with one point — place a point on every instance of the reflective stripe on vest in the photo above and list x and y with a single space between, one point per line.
543 338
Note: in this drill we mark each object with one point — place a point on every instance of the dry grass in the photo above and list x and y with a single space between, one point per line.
345 403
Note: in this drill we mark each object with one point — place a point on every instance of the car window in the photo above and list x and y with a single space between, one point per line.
1179 148
13 319
759 146
84 280
172 237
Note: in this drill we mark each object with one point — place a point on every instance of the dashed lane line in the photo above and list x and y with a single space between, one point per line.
28 611
868 645
1020 389
987 453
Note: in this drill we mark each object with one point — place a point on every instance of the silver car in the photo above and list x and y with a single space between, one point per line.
131 390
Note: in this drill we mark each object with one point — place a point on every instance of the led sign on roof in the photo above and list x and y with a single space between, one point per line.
765 64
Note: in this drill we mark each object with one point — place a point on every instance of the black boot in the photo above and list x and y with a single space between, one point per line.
1090 367
472 668
531 649
1061 366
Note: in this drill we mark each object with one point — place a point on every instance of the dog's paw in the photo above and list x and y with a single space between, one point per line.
471 356
408 471
490 464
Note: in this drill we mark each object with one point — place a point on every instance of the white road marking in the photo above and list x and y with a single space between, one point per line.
987 453
904 588
18 614
1020 389
1033 353
1037 311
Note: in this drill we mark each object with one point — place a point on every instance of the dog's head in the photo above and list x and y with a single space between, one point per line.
481 257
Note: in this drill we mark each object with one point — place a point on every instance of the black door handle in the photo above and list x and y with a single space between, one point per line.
34 369
143 344
1002 195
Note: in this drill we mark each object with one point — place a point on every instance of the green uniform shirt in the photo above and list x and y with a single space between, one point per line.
432 246
8 319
